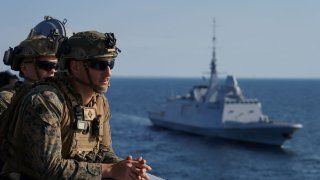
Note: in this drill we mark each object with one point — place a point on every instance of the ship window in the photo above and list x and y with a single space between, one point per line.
251 111
231 111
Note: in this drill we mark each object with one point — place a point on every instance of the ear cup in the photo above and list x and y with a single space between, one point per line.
10 55
7 57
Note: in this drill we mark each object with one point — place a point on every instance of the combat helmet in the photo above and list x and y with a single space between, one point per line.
32 47
87 46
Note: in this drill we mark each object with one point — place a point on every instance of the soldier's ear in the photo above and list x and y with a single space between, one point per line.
75 66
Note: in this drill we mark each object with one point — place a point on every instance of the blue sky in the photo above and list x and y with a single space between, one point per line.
255 38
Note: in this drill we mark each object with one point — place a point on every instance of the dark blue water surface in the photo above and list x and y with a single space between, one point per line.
175 155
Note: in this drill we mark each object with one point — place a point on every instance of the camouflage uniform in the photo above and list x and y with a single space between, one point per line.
48 131
47 143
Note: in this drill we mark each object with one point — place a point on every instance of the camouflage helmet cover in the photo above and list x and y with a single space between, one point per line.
89 45
33 47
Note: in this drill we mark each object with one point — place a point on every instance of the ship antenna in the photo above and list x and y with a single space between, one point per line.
214 59
212 93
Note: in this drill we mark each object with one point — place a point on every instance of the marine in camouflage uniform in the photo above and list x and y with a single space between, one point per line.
35 59
62 129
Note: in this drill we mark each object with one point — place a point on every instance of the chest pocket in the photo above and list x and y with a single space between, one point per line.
88 130
85 129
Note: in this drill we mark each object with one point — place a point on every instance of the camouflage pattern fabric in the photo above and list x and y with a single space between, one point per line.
36 46
5 99
6 95
33 47
7 122
89 45
40 144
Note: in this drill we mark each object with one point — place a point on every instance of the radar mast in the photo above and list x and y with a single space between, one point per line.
213 83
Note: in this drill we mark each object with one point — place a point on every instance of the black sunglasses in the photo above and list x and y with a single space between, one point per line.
100 65
45 65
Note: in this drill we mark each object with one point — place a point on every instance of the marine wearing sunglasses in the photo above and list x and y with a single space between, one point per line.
43 64
100 65
35 69
93 73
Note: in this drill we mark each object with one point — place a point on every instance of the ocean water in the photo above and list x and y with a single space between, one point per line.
175 155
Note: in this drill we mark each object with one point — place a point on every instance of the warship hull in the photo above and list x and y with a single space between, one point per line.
275 133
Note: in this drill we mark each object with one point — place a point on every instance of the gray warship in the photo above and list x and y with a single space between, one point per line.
221 110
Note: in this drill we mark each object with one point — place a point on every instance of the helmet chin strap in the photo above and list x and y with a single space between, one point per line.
95 88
